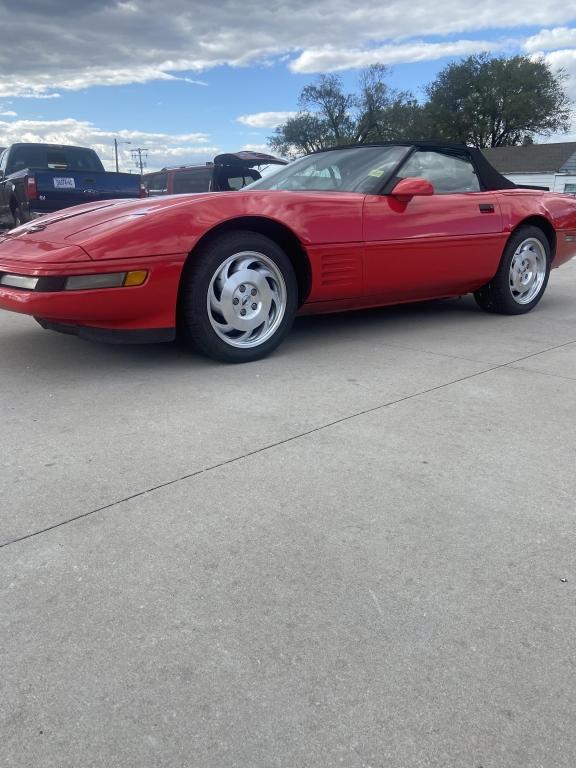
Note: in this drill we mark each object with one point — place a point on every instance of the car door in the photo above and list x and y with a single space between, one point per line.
443 244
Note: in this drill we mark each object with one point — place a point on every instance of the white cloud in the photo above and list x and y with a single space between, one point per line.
256 148
8 113
43 86
163 148
566 61
556 137
551 40
56 47
265 119
562 60
23 91
192 82
333 59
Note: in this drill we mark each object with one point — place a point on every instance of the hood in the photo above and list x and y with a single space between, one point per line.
112 229
70 234
58 227
36 253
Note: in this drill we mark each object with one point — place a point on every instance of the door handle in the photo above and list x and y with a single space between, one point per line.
486 208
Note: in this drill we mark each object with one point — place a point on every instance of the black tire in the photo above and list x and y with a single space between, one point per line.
501 295
217 266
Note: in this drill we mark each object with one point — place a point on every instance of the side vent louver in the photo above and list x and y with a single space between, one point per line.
338 270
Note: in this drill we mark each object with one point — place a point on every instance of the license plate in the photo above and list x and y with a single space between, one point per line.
64 182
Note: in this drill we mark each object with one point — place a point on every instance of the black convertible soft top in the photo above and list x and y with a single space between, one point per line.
248 159
487 175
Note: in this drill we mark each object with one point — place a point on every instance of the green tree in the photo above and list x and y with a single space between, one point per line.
495 102
383 113
330 117
332 106
300 135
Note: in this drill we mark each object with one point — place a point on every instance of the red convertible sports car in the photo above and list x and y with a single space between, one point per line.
351 227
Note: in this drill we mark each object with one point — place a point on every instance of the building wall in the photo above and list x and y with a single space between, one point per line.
556 182
570 165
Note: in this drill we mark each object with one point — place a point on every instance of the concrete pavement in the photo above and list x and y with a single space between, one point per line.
357 552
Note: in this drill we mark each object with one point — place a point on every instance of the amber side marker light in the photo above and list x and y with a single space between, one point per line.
110 280
137 277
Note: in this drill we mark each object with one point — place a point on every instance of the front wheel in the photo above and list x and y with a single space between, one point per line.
238 298
522 275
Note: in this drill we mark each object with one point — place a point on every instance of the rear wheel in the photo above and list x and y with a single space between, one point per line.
522 275
238 298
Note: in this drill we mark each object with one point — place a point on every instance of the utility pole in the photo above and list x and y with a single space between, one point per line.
116 142
139 157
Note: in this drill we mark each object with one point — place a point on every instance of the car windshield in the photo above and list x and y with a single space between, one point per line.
357 169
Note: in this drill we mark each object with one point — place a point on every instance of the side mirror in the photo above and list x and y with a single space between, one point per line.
406 189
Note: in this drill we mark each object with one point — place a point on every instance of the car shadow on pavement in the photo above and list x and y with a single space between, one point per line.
378 318
28 347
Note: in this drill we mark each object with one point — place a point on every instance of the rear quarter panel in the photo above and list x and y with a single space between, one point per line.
558 209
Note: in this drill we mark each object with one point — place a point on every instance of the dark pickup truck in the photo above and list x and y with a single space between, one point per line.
40 178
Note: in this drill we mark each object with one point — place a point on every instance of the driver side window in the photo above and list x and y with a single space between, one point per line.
448 174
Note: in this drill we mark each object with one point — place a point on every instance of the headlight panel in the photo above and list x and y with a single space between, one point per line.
19 281
87 282
53 284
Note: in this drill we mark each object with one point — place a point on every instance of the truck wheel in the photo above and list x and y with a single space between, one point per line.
522 275
238 297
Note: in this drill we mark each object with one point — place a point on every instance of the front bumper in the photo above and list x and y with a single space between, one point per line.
95 312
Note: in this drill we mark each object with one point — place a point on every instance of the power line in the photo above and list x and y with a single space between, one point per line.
140 158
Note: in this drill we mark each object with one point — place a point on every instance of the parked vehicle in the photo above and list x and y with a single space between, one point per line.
227 172
36 179
341 229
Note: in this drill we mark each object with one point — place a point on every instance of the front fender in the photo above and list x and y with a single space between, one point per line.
176 227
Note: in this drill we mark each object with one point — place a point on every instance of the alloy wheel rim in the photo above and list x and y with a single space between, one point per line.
527 271
246 299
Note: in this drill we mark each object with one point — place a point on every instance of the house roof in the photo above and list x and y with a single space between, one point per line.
559 157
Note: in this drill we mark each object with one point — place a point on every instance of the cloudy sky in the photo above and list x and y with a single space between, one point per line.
189 78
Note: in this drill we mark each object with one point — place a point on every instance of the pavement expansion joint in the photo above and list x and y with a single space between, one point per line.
284 441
